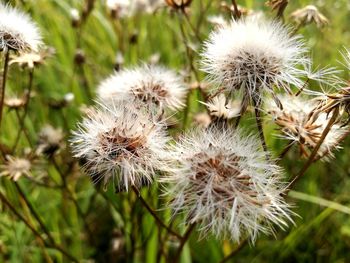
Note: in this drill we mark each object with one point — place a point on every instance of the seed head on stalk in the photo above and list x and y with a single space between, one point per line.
225 184
121 142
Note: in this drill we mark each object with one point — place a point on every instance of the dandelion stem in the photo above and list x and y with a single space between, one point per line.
183 242
153 213
3 83
21 120
236 12
315 150
259 124
235 251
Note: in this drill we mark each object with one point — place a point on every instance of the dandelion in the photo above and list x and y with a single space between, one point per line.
220 108
17 31
15 168
16 102
301 123
153 85
254 55
226 185
309 14
121 142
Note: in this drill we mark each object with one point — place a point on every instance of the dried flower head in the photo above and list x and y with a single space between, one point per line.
254 55
301 123
32 59
17 31
50 140
278 5
16 102
309 14
127 8
225 184
152 85
121 142
15 167
223 108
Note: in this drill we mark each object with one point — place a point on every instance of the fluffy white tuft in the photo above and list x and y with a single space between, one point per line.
121 142
18 31
255 55
153 85
225 184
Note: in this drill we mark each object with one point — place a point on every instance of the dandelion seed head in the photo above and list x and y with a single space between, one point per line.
122 143
17 31
255 55
153 85
225 184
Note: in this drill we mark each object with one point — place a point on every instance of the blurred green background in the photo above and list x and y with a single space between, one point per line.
100 226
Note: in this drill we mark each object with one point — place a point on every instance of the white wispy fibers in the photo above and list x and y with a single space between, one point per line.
17 30
302 123
255 55
225 184
221 107
153 85
122 143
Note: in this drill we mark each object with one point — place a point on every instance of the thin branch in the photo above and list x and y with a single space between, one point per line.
3 82
183 242
154 214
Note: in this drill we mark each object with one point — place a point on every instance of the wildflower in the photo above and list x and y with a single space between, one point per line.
309 14
15 167
254 55
221 108
75 17
32 59
301 123
17 31
16 102
152 85
226 185
50 140
122 143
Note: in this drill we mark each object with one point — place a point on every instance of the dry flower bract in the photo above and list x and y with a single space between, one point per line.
301 123
15 167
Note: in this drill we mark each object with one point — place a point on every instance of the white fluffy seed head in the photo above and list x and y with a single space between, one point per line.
255 55
121 142
225 184
301 123
153 85
17 31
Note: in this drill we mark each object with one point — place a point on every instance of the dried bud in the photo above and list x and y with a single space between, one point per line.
178 4
310 14
79 57
75 17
